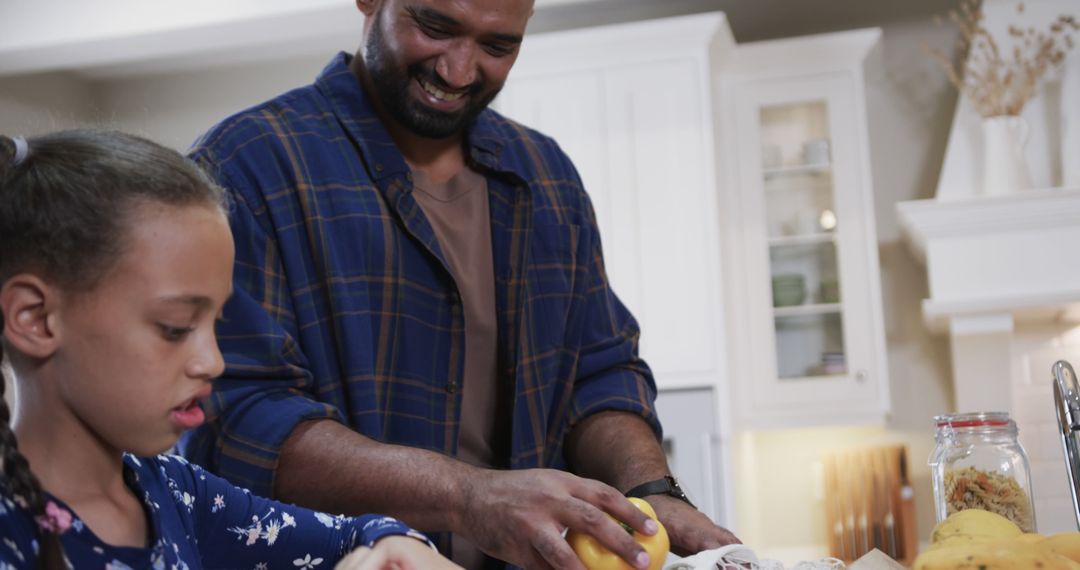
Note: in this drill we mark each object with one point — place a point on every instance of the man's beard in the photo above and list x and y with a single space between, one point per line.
392 88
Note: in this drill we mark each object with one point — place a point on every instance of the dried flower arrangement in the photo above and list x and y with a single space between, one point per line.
994 82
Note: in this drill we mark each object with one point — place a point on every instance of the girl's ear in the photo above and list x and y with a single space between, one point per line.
29 306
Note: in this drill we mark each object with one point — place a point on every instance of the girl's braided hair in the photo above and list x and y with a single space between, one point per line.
66 201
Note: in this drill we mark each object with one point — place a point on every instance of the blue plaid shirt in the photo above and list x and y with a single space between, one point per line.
344 306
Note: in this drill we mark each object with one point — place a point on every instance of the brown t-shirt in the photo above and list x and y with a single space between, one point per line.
459 215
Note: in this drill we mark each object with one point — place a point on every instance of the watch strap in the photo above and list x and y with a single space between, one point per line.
666 486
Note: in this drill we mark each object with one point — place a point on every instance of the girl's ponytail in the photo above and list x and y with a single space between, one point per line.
22 483
17 476
7 157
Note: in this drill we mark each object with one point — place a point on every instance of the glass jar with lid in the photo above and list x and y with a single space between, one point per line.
978 463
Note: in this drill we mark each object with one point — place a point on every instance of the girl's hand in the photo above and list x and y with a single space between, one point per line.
396 553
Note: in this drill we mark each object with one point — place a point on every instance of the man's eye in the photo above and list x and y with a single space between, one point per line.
174 334
433 31
499 50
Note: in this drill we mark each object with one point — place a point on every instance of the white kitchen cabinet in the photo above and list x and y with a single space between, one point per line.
632 105
800 250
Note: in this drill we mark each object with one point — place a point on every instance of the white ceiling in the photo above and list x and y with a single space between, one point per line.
111 38
115 37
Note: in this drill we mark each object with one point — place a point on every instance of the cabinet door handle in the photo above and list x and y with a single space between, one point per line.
860 376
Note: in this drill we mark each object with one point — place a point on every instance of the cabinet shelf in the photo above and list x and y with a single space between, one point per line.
804 310
803 239
838 377
797 170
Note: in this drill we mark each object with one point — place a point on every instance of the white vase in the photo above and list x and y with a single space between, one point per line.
1005 171
1070 124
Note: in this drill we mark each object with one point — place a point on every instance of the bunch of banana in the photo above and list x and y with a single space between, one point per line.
975 539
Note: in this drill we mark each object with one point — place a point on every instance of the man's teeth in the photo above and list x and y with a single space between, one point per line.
439 93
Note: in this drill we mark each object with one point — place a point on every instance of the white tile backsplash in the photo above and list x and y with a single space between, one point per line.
1034 444
1054 515
1050 436
1049 479
1034 351
1033 406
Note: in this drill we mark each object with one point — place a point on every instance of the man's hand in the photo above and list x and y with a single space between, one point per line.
621 448
520 516
689 529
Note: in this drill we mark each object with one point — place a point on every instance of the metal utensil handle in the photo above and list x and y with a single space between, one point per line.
1067 403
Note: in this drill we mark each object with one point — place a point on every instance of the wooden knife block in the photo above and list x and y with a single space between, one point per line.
869 503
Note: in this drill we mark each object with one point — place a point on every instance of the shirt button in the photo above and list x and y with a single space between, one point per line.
451 387
378 167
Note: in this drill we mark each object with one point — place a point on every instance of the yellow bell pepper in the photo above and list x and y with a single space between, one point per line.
595 557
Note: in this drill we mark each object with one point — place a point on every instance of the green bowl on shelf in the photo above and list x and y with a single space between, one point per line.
788 290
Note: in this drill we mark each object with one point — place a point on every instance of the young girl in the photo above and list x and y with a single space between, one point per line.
115 261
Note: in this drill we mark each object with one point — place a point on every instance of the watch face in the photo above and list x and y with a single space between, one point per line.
677 491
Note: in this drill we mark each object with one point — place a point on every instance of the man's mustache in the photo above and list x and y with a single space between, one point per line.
430 76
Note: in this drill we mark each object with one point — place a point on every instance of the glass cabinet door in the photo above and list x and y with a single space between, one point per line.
802 226
810 258
804 276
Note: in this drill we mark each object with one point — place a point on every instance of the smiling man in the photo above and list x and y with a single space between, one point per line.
422 324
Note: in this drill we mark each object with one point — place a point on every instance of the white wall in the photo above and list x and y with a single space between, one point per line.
174 109
41 103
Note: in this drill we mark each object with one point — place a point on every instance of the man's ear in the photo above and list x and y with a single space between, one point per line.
367 7
29 306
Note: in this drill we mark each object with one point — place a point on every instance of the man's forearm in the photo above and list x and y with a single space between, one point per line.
618 448
327 466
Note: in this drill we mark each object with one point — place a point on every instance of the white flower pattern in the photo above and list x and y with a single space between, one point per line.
272 530
14 548
307 562
266 528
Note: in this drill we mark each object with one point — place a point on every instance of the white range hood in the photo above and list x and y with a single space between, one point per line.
993 263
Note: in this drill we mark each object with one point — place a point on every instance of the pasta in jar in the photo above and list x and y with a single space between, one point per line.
971 488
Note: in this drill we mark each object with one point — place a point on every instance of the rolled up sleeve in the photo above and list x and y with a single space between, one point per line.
610 374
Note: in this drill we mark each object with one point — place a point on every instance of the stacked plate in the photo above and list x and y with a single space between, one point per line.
833 363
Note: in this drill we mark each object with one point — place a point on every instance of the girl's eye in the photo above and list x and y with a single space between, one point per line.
174 334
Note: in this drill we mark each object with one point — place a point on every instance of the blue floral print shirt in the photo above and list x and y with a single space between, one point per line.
198 520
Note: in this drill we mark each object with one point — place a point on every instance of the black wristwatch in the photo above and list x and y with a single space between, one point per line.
666 486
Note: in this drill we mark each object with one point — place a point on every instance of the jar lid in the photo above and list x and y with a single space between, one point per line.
973 420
